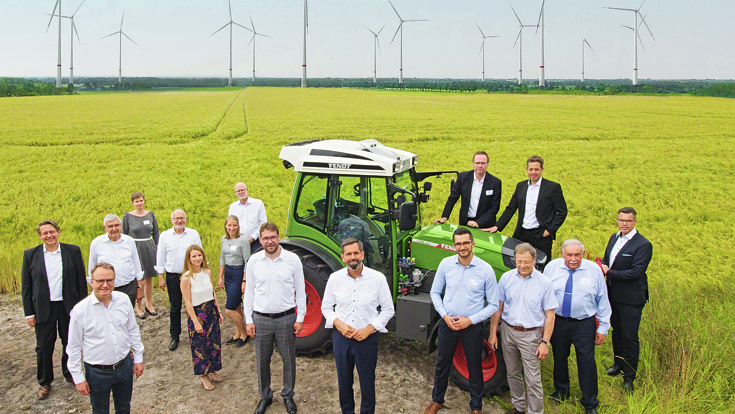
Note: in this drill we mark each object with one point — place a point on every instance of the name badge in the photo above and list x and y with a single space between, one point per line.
585 281
146 222
489 192
233 248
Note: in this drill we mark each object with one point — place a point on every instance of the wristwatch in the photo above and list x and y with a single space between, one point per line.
546 342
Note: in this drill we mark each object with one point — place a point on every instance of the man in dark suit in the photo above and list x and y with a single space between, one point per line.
626 259
479 192
541 209
53 281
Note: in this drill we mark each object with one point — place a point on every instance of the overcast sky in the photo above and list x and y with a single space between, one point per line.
693 39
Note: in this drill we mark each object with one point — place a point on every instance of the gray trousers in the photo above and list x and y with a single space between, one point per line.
519 349
278 332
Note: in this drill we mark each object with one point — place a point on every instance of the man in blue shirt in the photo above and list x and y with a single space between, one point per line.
580 290
527 306
467 282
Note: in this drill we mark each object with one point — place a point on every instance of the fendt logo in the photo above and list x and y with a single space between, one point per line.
340 166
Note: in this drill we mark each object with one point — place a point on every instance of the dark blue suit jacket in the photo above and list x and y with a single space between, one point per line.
487 207
551 208
627 282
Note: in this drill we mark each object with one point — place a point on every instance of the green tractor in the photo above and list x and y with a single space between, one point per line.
366 190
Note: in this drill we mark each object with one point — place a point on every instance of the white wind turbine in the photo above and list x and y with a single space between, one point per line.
71 43
400 29
230 23
482 49
636 36
376 47
252 40
306 30
583 42
541 68
58 64
121 34
520 48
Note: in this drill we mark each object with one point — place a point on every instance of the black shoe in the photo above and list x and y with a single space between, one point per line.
231 341
241 342
141 316
558 397
628 387
290 405
151 313
262 405
590 411
174 344
614 370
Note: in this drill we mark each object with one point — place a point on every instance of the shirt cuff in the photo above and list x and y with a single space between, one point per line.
378 325
330 320
137 358
78 377
30 316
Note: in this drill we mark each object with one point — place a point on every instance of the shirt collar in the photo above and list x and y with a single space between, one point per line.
629 235
474 177
515 272
538 183
473 262
96 301
58 249
582 266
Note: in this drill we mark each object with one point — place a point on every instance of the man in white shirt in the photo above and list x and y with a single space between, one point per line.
274 278
350 305
250 213
172 245
119 250
103 329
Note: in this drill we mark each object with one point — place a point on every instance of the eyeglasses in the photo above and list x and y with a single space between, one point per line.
463 244
112 226
524 262
626 221
241 191
178 218
269 239
480 163
103 281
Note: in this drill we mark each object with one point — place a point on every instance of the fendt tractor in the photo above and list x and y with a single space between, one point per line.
366 190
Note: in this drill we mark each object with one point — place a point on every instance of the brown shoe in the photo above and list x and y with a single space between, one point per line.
44 391
433 408
476 412
515 411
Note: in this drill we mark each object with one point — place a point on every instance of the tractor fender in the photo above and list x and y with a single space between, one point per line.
315 249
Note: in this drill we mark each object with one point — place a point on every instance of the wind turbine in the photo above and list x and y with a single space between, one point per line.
636 36
520 48
121 33
482 49
230 23
58 64
252 40
583 42
73 30
376 47
400 28
306 30
541 68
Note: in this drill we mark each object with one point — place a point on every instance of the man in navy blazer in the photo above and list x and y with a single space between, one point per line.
479 192
53 281
626 259
541 209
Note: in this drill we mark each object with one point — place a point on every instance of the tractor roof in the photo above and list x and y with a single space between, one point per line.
366 157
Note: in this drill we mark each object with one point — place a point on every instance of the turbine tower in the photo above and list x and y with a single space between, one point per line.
541 68
252 40
583 42
230 23
306 30
636 36
400 28
71 43
121 34
482 49
520 48
376 47
58 64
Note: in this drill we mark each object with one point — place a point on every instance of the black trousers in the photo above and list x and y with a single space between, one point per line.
58 319
471 339
581 334
131 289
625 321
536 239
349 353
173 286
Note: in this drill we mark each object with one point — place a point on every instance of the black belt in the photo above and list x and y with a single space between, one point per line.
113 367
173 274
275 315
569 319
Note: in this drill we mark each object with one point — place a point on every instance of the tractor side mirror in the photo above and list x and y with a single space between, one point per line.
427 186
407 216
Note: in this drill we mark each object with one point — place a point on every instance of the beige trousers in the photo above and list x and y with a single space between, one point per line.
519 349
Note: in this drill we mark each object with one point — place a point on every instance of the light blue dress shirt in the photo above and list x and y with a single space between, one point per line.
466 289
526 299
589 294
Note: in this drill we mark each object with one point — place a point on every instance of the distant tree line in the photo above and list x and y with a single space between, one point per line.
26 87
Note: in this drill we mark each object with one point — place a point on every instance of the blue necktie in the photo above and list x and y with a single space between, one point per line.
566 307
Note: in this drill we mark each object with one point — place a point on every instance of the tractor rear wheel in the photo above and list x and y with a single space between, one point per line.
314 338
493 370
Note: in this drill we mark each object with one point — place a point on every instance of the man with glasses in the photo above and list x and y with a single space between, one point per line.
250 213
467 282
53 281
479 192
119 250
626 260
274 306
170 254
103 330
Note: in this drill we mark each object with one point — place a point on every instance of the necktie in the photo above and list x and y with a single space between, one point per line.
566 307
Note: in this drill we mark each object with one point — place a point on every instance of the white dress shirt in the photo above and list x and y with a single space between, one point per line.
122 254
529 219
355 301
272 285
172 249
54 273
250 216
104 335
475 195
622 240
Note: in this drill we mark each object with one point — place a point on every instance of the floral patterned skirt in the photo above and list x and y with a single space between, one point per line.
206 352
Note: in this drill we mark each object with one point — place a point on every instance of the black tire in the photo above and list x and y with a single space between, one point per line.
496 385
319 340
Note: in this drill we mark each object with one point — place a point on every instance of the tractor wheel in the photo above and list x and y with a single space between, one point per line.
314 338
493 370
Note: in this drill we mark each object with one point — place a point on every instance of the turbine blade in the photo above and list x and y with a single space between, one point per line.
252 39
643 19
121 20
394 36
517 37
641 41
585 30
644 2
374 34
488 37
111 34
238 24
74 26
123 33
80 6
416 20
52 15
514 12
229 3
482 46
381 29
540 14
478 28
378 41
627 27
394 9
226 24
588 45
619 8
251 22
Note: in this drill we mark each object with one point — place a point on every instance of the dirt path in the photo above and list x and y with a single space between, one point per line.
405 376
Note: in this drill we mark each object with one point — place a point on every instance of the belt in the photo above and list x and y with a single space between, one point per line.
570 319
520 328
113 367
146 239
173 274
275 315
